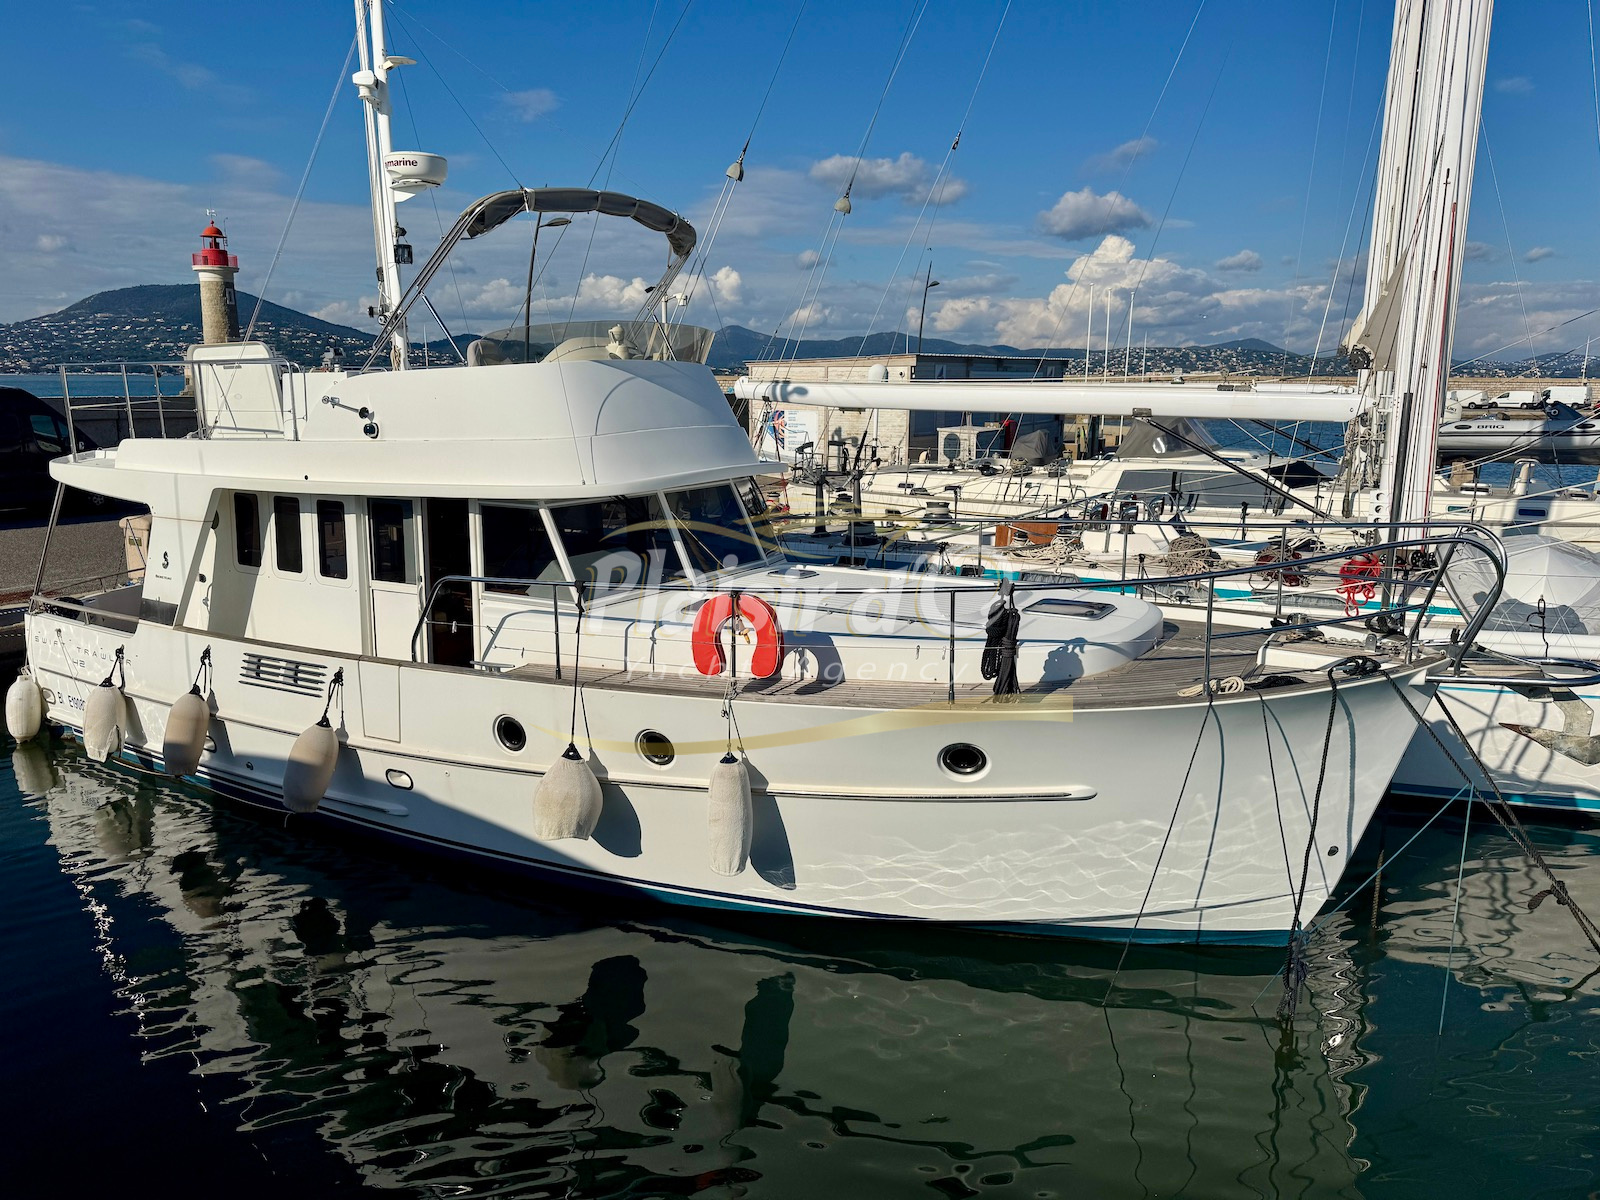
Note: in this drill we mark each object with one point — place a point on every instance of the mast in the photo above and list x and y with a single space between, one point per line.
1403 339
372 82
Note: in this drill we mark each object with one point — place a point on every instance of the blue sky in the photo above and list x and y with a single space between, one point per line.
123 123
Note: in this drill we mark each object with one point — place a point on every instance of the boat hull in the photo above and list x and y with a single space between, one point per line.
1094 821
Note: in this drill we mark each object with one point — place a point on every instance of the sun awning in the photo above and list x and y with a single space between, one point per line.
497 208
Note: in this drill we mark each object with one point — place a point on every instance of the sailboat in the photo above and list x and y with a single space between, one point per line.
518 612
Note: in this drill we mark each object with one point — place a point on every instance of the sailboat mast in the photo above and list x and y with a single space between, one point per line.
1403 340
372 81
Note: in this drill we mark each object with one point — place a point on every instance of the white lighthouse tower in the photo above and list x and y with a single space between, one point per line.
219 305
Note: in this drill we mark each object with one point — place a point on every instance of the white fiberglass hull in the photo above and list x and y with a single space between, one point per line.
1100 822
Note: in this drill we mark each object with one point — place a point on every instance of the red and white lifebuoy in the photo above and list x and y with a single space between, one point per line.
755 613
1356 581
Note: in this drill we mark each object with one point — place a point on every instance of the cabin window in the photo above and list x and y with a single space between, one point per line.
286 534
389 520
516 545
620 542
247 529
714 531
333 561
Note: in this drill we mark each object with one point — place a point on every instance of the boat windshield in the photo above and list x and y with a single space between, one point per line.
619 543
574 341
716 534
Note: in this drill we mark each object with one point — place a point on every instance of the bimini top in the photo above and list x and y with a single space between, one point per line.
497 208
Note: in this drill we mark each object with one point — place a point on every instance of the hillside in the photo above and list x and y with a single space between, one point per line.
157 322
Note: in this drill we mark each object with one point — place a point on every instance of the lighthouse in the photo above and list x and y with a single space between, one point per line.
219 306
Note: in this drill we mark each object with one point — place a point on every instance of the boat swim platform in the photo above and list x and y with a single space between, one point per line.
1159 677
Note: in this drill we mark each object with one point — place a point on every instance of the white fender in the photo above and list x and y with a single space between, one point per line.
185 739
731 817
568 801
309 769
105 717
24 707
31 764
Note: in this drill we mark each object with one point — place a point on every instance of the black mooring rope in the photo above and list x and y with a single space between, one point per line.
1295 964
1503 812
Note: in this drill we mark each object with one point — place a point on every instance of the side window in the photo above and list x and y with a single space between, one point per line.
49 433
390 520
516 546
333 561
286 534
247 529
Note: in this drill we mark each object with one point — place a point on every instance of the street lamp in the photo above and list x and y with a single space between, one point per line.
926 288
527 314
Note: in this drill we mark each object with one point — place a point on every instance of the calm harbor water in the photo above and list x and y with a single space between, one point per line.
195 994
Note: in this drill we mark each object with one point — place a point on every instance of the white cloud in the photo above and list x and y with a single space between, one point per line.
728 285
1514 85
1245 260
612 292
243 171
1086 213
1479 252
908 177
190 76
1121 157
1538 254
532 104
49 243
807 259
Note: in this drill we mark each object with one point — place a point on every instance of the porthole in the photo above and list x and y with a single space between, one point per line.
398 779
963 759
509 733
655 748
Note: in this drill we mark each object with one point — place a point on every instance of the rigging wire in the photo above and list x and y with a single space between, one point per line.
449 91
1139 147
615 144
1333 284
800 317
1483 132
1311 176
733 177
935 196
299 192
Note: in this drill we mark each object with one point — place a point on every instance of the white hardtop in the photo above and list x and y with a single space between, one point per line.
534 431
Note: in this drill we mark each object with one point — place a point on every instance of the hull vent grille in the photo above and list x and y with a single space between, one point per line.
283 674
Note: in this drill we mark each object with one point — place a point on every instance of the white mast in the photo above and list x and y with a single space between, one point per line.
372 81
1404 336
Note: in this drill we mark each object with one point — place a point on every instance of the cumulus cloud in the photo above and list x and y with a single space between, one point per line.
807 259
1245 260
1479 252
1538 254
612 292
727 285
1086 213
1120 158
1514 85
532 104
908 177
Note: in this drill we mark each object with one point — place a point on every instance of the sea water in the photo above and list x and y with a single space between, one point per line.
198 1000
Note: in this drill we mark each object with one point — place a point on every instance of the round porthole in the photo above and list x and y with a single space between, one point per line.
655 747
963 759
510 734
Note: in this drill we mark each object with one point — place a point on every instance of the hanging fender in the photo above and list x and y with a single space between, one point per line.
716 612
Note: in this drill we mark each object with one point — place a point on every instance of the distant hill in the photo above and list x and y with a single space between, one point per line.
157 323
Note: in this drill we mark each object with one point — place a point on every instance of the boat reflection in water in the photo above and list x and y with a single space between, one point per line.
434 1037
